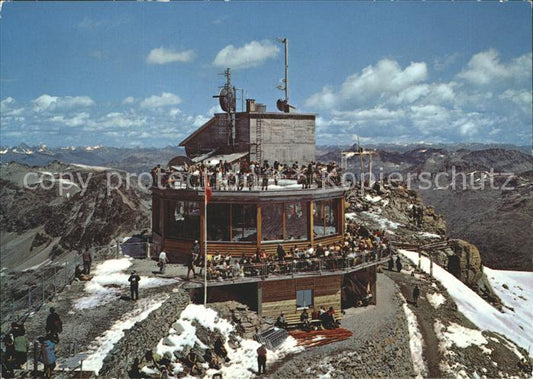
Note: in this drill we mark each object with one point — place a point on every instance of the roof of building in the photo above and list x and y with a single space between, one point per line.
198 131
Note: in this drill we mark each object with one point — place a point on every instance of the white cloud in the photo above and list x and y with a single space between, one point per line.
128 100
166 99
485 68
46 102
174 112
384 79
522 98
163 55
251 54
76 120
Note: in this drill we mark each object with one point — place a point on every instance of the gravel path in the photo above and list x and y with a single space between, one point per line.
424 316
373 328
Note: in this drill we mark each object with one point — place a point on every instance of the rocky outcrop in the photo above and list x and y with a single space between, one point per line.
144 335
247 322
464 261
40 223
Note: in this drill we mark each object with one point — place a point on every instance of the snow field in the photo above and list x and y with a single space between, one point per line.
110 280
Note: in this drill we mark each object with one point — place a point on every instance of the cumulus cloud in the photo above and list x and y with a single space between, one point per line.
77 119
385 78
46 102
128 100
487 100
485 68
166 99
252 54
163 55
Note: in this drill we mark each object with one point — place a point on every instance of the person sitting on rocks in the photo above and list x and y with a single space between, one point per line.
135 371
195 367
151 359
304 319
79 275
281 322
165 362
211 359
220 350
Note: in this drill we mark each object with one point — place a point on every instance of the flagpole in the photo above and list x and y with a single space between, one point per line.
205 240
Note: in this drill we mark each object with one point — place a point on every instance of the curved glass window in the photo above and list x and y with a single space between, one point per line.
296 220
243 222
218 222
183 220
325 218
272 222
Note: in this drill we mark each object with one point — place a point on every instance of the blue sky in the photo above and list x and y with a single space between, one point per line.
143 74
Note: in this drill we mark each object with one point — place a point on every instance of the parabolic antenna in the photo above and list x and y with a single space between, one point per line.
226 98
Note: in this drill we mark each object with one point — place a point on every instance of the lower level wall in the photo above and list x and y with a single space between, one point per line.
280 295
241 293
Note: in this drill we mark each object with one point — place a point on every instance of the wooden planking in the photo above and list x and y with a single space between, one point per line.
280 290
288 307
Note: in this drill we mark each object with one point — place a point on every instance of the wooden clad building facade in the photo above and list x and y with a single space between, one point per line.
242 222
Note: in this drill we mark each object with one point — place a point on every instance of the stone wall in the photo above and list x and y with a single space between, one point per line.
144 335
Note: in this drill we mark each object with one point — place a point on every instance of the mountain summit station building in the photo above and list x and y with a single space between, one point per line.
242 222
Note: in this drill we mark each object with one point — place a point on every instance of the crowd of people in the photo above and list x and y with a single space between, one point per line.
16 346
360 246
319 318
242 174
192 364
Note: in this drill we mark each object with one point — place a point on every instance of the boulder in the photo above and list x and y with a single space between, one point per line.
465 263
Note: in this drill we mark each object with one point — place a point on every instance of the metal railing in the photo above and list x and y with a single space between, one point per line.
296 266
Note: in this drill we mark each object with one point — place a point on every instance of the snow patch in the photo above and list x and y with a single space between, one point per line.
428 235
383 222
110 280
436 299
416 341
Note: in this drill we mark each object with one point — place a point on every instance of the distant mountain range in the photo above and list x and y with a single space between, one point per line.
128 159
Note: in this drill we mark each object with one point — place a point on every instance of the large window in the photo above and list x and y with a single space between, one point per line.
296 220
325 220
218 222
243 222
272 222
183 220
304 299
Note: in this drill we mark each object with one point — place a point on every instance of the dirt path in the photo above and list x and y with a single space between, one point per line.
424 314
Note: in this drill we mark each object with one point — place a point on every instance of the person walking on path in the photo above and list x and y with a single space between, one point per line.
48 354
54 325
162 263
134 285
391 263
416 295
261 359
20 343
398 264
87 261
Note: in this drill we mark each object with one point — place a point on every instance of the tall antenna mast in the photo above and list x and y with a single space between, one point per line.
283 105
285 87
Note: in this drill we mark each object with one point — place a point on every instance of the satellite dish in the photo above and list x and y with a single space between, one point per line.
227 99
283 106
